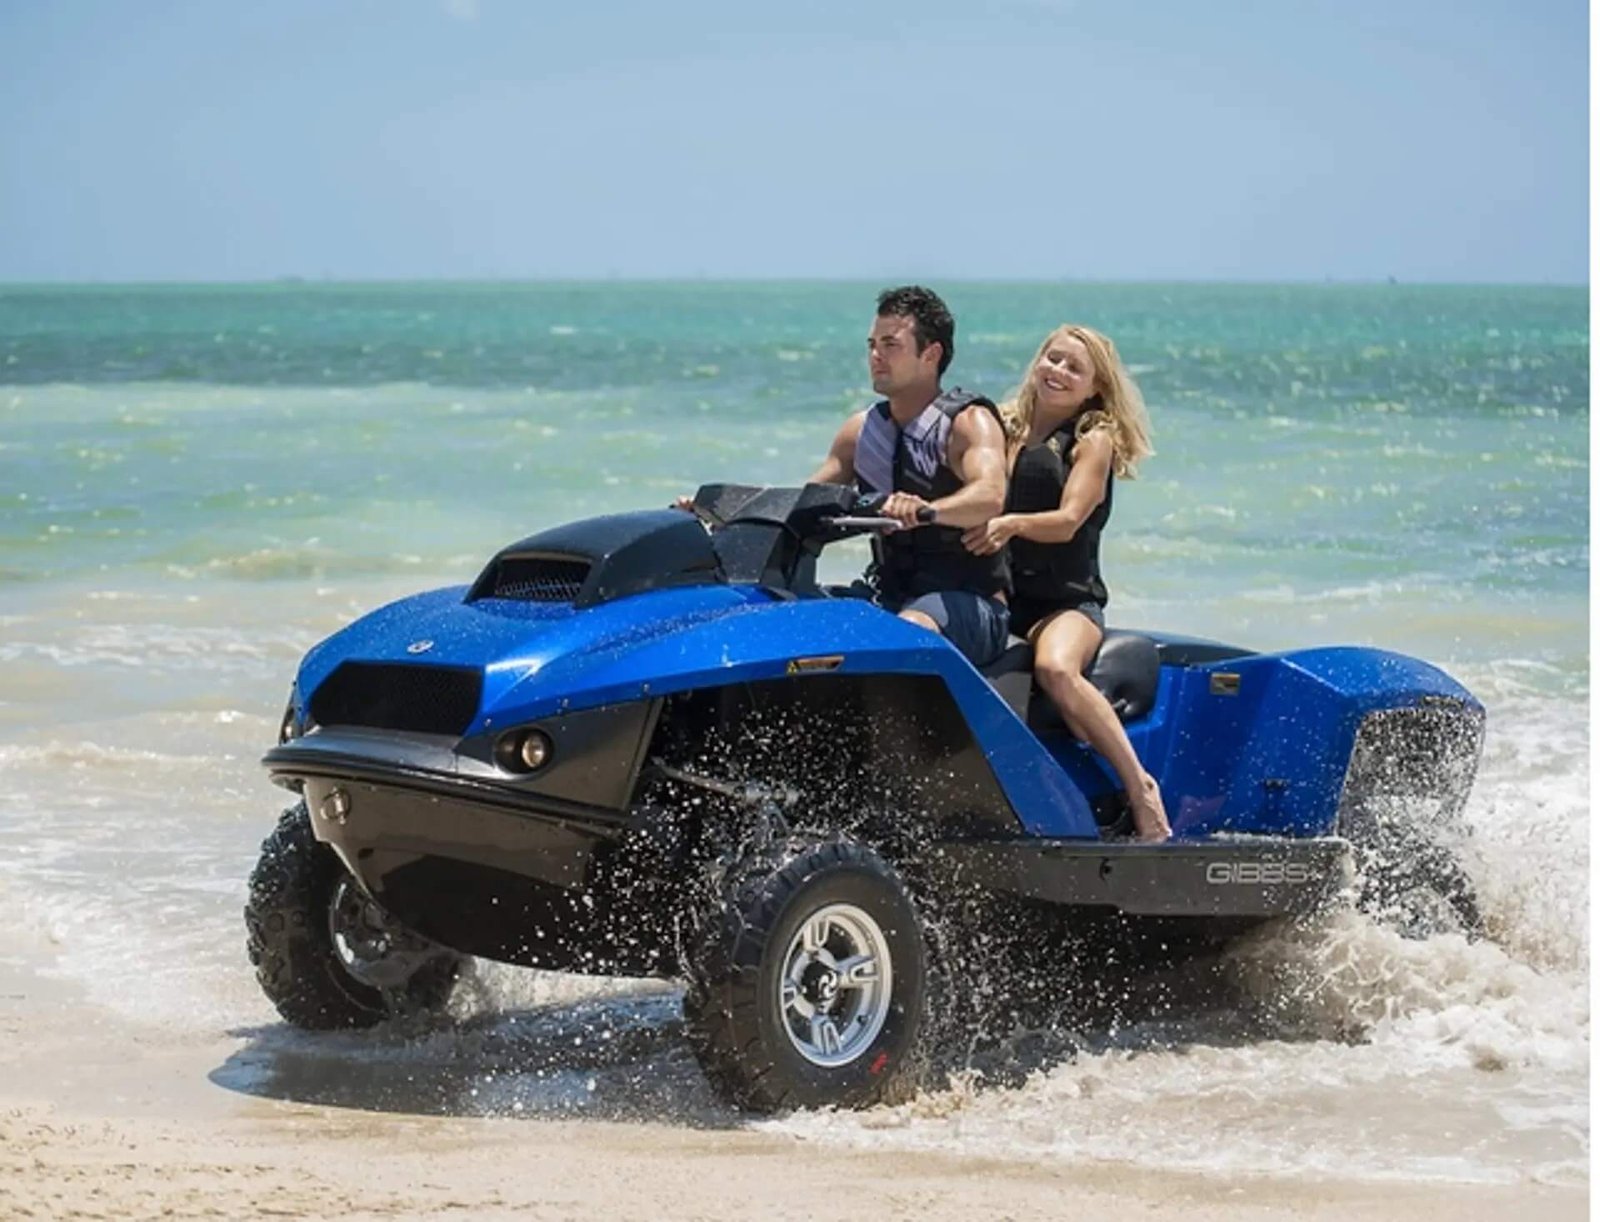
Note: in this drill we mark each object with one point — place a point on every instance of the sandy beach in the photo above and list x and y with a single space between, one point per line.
100 1118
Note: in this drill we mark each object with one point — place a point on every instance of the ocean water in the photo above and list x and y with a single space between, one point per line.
196 484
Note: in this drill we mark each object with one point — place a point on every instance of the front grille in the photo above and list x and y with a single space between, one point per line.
418 699
538 579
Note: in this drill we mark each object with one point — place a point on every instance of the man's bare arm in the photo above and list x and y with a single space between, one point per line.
978 457
840 465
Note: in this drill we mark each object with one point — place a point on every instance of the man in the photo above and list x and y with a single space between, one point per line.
933 450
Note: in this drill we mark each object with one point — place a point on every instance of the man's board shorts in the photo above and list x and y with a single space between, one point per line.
975 625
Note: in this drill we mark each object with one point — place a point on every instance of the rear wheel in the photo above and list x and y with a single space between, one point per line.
325 954
1410 873
1409 776
808 986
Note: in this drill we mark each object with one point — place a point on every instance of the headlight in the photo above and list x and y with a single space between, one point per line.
292 726
523 750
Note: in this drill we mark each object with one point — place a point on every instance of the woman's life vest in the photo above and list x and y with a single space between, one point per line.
929 559
1055 572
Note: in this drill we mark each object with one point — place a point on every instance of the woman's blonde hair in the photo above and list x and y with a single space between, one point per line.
1116 405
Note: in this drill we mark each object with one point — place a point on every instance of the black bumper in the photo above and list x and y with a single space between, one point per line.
383 800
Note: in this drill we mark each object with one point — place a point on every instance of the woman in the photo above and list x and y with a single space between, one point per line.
1077 421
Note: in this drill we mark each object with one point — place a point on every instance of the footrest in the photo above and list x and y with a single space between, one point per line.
1236 876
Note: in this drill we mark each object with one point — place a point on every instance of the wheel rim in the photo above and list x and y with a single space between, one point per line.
369 944
835 987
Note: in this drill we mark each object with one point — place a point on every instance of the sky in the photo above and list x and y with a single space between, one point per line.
221 140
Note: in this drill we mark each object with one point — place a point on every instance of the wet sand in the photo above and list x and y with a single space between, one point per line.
100 1118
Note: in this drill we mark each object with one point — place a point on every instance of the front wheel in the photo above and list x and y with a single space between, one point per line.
325 954
808 986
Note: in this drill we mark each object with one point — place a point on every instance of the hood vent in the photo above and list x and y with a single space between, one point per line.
535 579
583 564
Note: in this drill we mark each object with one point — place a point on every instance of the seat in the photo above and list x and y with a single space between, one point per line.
1126 670
1011 675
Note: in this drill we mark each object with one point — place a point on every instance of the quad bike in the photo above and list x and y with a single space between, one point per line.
652 744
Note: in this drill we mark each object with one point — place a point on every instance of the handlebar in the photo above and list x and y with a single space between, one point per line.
888 526
817 513
925 517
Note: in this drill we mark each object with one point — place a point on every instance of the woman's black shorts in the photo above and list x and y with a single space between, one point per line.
1027 613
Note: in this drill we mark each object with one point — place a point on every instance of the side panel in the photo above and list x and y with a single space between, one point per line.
1262 744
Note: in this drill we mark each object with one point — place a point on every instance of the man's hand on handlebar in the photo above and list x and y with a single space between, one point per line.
688 505
908 509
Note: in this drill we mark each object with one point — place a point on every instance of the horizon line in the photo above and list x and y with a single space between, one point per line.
297 281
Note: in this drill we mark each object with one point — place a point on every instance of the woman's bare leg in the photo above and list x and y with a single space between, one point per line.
1062 651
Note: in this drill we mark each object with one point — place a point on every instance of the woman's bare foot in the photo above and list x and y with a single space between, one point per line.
1149 814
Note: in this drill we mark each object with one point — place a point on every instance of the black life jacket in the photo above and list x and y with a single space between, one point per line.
929 559
1055 572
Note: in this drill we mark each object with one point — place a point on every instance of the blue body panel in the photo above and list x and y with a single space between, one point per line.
542 659
1268 757
1271 759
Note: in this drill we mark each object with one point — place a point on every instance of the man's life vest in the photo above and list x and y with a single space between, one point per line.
915 459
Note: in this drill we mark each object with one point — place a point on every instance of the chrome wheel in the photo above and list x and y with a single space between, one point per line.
835 987
808 983
371 945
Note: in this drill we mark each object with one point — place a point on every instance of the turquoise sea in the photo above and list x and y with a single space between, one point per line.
1407 465
197 483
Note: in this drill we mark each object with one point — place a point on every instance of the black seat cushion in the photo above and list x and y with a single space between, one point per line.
1126 669
1011 674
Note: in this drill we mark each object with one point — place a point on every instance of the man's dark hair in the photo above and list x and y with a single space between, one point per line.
930 317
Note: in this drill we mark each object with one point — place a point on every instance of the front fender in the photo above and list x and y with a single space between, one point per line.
794 640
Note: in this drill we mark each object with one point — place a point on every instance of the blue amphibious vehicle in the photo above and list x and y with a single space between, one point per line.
652 744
